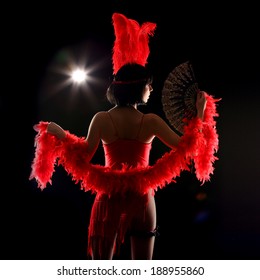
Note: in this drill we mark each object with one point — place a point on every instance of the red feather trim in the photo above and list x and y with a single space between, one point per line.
51 151
45 155
72 154
205 157
132 41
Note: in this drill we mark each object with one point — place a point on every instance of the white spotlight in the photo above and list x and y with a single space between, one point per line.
78 76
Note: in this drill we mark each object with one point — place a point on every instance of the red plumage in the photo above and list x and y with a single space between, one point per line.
131 43
72 154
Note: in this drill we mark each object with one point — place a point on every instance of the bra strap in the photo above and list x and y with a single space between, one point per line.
116 130
140 127
114 125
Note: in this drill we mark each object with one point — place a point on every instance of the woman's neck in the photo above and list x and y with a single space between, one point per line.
134 106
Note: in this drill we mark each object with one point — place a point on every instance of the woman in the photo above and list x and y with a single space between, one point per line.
126 135
126 185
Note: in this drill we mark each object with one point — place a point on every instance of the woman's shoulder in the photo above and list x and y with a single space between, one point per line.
100 115
153 120
152 117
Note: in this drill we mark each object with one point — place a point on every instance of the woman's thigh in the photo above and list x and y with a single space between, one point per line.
104 221
143 232
145 216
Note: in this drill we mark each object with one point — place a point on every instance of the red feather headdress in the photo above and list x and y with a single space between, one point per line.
132 41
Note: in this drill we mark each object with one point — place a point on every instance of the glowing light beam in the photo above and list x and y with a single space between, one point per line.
78 76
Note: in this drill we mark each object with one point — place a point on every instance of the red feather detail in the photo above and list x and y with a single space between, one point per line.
132 41
45 155
205 158
72 154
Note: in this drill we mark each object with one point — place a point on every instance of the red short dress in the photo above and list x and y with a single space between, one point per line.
113 214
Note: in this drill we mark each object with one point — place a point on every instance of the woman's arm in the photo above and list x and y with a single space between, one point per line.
94 133
164 132
56 130
93 136
201 102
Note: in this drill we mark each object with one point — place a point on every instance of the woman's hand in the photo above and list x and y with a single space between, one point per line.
201 102
56 130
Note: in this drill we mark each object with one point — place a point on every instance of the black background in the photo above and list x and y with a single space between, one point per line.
219 220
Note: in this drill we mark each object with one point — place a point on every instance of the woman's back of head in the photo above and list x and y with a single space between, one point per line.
128 85
132 72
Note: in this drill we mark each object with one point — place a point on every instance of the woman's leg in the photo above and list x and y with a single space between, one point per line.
102 248
143 232
103 226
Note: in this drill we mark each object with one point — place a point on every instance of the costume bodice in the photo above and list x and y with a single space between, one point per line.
127 151
130 152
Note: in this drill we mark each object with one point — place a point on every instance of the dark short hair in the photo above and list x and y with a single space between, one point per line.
128 85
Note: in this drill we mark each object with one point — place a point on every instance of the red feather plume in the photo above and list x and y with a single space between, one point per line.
132 41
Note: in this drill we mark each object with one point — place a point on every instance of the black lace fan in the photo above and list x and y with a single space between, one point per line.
179 96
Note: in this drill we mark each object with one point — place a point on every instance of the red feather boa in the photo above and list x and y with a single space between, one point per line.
71 153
